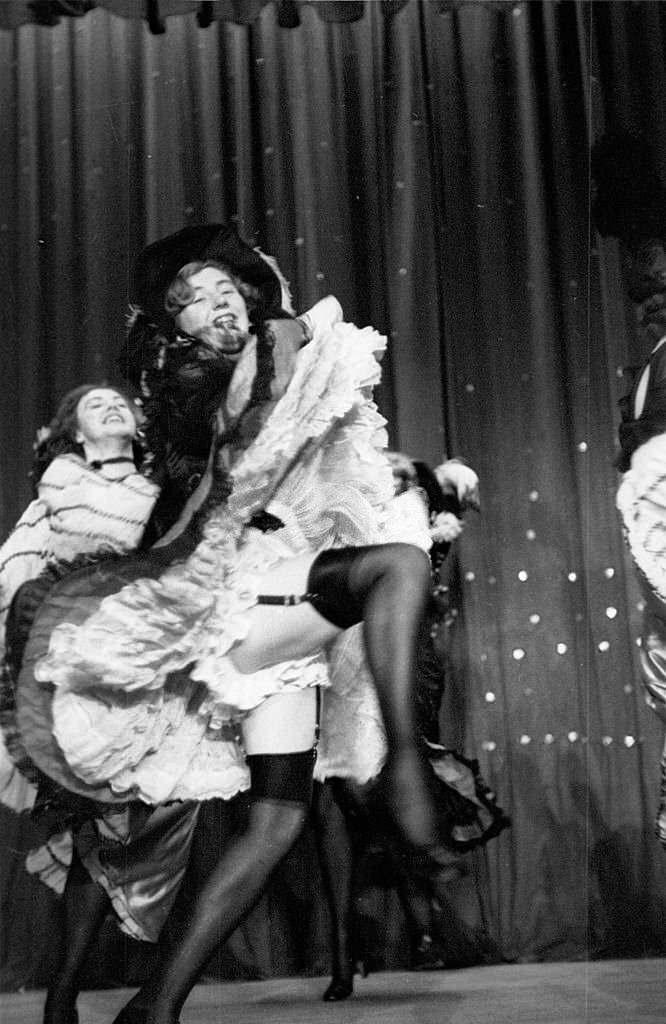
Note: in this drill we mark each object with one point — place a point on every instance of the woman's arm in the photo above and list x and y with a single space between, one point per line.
289 337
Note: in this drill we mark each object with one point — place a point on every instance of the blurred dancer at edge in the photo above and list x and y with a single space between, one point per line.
641 497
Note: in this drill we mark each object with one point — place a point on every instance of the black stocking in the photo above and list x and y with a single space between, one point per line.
415 899
336 860
85 907
233 888
388 587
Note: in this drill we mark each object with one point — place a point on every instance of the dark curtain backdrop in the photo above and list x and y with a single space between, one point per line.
429 165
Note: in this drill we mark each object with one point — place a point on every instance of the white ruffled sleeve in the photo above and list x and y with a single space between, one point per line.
407 520
23 555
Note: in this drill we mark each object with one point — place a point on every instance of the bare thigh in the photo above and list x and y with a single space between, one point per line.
282 724
280 633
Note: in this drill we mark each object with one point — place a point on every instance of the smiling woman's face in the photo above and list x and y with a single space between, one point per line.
104 413
217 313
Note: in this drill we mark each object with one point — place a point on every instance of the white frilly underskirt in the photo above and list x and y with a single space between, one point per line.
146 699
641 500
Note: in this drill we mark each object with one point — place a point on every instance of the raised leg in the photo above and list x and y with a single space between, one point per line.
387 586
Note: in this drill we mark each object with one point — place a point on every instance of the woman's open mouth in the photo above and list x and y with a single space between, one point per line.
227 322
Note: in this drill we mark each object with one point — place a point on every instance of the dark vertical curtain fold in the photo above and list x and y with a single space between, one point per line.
433 171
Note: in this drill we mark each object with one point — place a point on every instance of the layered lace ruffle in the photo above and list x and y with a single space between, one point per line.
641 500
119 716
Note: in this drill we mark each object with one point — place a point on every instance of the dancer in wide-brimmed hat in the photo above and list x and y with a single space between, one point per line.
284 542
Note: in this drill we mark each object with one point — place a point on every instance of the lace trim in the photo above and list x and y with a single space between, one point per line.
318 454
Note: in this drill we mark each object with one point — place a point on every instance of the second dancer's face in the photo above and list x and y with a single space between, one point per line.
216 314
104 413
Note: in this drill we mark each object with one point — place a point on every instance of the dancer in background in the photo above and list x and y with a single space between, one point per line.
641 497
629 203
349 817
222 623
101 853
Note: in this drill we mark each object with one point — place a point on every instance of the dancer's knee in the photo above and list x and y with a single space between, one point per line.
330 589
341 579
410 564
404 568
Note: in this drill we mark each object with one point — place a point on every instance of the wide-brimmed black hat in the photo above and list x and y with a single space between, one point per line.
159 263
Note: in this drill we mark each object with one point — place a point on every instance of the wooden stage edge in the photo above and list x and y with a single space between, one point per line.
600 992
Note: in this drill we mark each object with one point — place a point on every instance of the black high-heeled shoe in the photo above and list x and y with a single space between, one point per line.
338 990
342 987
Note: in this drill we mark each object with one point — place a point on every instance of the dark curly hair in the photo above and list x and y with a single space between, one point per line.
647 289
629 198
59 437
180 379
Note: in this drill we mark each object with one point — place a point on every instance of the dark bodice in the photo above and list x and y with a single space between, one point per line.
182 416
635 431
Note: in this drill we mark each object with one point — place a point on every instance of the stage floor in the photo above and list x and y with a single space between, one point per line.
603 992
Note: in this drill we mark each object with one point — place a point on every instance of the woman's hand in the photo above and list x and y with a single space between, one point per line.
455 477
324 313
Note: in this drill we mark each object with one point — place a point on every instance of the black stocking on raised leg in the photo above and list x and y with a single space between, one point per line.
387 587
85 905
281 787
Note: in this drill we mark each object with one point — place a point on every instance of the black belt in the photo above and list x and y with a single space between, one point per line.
285 600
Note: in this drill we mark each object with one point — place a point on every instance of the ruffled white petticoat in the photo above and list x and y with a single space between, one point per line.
641 500
127 710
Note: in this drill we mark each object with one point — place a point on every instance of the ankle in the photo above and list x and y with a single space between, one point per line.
162 1015
61 992
164 1009
60 1005
402 750
343 969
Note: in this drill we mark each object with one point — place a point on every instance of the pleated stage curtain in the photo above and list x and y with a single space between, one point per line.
432 169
